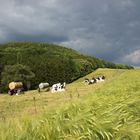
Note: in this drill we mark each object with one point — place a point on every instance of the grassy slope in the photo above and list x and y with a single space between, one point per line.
109 110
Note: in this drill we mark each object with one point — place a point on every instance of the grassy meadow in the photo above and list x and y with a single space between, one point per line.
104 111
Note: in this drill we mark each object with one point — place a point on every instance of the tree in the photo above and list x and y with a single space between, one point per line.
17 72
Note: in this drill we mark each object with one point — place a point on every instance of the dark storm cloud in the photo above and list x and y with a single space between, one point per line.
109 29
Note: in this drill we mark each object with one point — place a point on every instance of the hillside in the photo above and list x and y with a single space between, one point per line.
50 63
107 111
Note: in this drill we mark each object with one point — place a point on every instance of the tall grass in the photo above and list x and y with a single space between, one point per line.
109 112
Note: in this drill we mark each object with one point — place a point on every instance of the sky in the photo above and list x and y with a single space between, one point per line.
108 29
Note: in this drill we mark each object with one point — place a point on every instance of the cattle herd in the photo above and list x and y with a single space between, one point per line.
94 80
17 87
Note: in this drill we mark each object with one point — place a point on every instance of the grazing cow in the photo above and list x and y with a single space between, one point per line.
43 86
58 87
100 79
92 81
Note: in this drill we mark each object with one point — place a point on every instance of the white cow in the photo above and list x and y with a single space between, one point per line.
58 87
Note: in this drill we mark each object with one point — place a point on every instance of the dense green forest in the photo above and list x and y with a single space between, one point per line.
48 62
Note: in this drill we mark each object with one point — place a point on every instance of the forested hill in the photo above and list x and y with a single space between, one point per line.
49 62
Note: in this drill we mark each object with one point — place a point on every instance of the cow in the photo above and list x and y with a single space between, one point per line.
100 79
58 87
92 81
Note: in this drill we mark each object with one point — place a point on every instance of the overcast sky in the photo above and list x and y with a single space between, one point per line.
109 29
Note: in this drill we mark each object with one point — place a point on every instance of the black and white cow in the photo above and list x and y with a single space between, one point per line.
88 81
58 87
94 80
100 79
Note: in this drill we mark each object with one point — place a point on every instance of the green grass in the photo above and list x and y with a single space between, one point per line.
104 111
